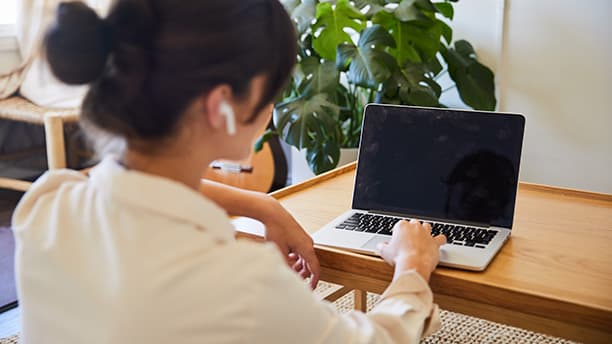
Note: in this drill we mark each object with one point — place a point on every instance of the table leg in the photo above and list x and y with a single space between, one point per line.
361 300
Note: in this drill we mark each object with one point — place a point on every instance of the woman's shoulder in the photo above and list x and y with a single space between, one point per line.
43 190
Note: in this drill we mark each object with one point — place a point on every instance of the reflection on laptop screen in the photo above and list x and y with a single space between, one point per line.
439 164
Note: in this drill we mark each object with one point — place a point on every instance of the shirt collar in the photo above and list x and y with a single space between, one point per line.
162 196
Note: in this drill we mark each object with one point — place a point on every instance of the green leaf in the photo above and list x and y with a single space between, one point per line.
416 41
426 5
369 65
475 82
407 11
434 66
263 139
303 121
445 8
330 25
303 14
411 86
323 157
375 35
418 90
305 47
317 76
374 6
447 32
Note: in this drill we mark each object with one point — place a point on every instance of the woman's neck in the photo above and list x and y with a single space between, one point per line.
184 166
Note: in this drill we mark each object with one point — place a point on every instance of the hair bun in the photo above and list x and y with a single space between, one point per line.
78 44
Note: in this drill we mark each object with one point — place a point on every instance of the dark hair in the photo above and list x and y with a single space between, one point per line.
149 59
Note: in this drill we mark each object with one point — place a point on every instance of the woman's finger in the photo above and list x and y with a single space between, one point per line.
312 264
293 258
298 266
440 239
304 273
314 277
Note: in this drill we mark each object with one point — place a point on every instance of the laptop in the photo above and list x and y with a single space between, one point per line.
455 169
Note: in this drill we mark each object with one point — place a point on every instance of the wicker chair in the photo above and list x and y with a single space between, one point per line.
20 109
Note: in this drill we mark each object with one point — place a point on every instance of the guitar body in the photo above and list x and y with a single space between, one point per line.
263 171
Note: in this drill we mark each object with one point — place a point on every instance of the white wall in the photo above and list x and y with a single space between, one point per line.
9 55
552 61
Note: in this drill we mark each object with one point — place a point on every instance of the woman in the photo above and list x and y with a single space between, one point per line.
143 251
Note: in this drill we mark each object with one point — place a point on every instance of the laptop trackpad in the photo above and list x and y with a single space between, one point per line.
373 243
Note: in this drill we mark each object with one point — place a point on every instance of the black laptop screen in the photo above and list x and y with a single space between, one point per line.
439 164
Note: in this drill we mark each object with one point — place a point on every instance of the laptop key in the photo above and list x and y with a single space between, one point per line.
386 231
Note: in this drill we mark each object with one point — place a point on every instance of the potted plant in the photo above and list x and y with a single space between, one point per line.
356 52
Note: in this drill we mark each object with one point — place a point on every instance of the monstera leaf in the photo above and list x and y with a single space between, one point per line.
407 10
311 123
317 76
475 82
412 87
302 12
368 63
373 6
330 25
416 41
323 157
445 9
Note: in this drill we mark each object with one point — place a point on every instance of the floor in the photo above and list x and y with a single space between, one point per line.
8 200
9 320
9 323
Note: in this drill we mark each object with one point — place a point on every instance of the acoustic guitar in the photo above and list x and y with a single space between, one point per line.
263 171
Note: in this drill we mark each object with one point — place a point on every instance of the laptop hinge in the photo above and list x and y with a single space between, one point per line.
427 218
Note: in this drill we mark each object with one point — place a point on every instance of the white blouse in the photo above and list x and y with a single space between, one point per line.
126 257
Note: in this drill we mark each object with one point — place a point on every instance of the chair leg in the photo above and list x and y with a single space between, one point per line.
14 184
54 139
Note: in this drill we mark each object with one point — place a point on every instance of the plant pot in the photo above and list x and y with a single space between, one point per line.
300 171
347 156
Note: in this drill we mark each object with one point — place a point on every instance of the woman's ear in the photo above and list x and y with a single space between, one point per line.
212 106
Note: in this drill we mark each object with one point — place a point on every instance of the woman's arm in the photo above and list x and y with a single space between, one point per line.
281 228
238 202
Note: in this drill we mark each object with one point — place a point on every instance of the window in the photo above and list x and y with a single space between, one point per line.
8 17
8 12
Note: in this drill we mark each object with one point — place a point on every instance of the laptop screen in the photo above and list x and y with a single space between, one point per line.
439 164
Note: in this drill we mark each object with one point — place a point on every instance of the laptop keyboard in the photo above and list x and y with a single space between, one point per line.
455 234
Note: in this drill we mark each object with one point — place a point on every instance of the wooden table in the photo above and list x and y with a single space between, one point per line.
554 275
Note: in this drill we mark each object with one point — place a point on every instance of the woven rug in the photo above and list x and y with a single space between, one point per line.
457 328
9 340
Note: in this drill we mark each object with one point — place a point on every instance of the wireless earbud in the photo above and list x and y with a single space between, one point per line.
230 118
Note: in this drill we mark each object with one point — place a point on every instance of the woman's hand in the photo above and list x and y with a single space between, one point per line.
294 243
412 247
